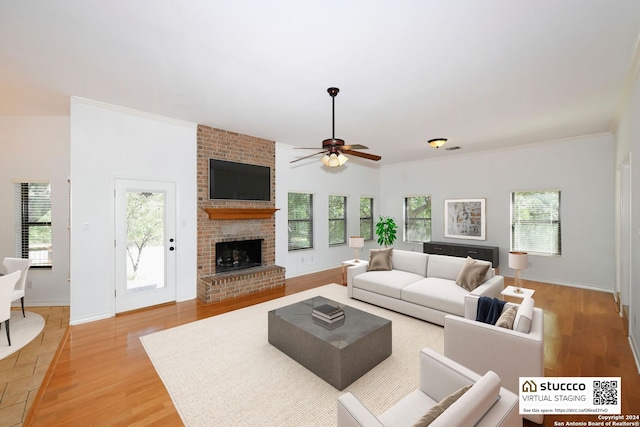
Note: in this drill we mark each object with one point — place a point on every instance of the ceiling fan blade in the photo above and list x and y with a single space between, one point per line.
363 155
354 147
306 157
306 148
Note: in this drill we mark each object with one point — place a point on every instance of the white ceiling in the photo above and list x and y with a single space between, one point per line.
483 73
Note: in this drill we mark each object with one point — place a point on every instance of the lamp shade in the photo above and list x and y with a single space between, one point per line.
518 260
356 242
334 160
437 142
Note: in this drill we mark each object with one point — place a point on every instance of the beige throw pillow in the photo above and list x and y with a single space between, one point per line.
472 273
380 259
440 407
507 317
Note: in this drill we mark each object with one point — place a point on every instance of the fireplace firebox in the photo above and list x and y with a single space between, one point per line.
238 255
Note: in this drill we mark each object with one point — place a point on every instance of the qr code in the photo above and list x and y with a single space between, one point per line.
605 392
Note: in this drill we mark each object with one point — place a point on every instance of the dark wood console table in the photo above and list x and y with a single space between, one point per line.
485 253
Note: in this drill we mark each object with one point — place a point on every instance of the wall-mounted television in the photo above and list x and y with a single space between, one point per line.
239 181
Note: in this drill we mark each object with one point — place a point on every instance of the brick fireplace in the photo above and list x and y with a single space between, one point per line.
223 221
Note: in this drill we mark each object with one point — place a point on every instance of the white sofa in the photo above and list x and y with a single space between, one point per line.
482 347
419 285
486 403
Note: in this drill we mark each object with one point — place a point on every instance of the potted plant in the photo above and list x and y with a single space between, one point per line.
386 230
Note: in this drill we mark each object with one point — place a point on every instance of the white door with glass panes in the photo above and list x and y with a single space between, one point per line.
145 243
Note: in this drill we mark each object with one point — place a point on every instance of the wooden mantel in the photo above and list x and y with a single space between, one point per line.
240 213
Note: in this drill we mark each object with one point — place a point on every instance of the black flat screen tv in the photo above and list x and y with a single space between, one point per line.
239 181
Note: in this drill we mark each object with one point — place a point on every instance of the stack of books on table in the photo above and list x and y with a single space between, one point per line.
328 314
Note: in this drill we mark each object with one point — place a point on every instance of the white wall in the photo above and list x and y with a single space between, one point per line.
581 168
37 149
356 178
109 142
628 147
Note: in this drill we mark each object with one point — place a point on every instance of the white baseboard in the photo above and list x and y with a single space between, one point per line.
43 304
82 320
634 350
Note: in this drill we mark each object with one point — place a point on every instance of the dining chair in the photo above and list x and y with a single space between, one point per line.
7 283
22 265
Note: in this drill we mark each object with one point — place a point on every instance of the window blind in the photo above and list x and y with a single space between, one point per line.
417 216
300 221
337 220
366 217
33 223
535 222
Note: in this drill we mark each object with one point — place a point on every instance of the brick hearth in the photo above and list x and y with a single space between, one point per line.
212 287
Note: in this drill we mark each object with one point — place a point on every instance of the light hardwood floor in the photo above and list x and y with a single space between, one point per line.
21 373
101 374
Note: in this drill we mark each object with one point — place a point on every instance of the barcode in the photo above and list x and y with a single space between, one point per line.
605 392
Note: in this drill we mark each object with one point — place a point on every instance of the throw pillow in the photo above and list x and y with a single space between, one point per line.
507 317
472 273
524 316
380 259
440 407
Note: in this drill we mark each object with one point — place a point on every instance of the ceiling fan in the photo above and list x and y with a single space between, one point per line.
334 149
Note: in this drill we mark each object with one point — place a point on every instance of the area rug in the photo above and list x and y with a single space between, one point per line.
222 371
23 330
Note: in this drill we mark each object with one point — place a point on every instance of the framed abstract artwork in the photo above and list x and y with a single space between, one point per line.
465 219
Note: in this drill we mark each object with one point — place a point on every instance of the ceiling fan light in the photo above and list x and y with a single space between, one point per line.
437 142
342 159
334 160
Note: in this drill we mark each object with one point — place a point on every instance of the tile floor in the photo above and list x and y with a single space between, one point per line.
22 372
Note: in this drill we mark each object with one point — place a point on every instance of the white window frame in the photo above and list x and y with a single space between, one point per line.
552 220
410 219
293 223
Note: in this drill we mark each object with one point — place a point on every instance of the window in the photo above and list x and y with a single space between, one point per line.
535 222
417 219
300 221
33 223
337 220
366 217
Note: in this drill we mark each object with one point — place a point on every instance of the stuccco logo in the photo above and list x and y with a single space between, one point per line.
530 386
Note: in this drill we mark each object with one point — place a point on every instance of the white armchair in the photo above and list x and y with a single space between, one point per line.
486 403
482 347
7 282
22 265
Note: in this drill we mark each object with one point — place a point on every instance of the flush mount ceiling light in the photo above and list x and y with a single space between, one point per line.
437 142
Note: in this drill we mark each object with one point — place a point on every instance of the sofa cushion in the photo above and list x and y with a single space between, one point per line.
407 410
413 262
440 294
389 283
380 259
444 267
524 316
440 407
507 317
473 273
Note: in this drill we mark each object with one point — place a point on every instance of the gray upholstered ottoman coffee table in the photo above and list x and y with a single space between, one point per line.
338 353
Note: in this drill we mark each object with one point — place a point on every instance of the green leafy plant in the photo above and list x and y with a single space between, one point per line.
386 230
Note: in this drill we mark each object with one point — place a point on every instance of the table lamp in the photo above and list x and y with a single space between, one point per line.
356 242
518 261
